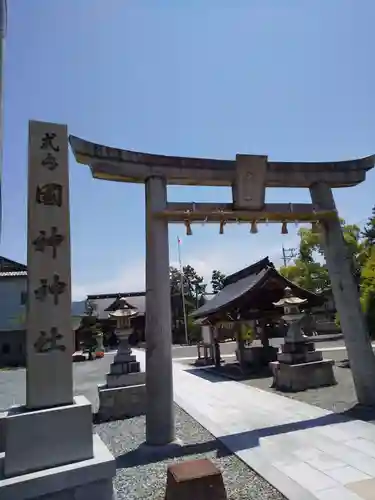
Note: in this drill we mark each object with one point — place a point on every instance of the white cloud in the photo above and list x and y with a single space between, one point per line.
228 258
127 279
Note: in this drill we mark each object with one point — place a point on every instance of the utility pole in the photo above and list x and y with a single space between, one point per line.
3 27
288 254
182 281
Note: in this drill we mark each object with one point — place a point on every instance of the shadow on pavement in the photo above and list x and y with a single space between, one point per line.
237 442
360 412
146 455
229 371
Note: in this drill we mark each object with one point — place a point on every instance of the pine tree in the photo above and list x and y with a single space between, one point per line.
217 280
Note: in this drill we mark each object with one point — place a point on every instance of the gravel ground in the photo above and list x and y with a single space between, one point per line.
338 398
137 479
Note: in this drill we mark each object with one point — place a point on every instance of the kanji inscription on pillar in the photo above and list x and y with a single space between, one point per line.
49 333
49 342
48 239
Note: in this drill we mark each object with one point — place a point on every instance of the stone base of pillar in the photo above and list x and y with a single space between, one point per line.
299 377
67 430
52 453
124 394
299 367
90 478
298 352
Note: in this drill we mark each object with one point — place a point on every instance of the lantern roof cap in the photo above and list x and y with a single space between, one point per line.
123 313
289 299
123 309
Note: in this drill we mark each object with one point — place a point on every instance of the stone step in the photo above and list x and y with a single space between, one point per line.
121 402
125 380
124 358
297 358
124 368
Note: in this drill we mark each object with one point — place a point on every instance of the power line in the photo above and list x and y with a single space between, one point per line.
289 254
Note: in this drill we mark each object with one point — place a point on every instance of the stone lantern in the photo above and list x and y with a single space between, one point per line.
124 394
299 366
123 316
293 315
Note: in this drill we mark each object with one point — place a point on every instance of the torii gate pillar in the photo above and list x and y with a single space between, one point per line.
160 428
345 291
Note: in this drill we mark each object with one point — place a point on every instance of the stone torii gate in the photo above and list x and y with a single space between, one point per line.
249 176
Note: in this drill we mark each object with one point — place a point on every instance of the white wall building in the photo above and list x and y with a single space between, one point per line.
13 295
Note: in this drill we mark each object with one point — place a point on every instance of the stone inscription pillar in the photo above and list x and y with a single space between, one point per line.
49 339
339 263
159 375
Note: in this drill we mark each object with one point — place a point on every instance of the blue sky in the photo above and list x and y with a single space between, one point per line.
293 79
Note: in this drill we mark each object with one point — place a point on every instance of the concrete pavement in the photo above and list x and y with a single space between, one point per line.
189 353
306 452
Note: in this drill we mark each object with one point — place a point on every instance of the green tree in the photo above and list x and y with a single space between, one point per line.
310 242
308 273
175 280
194 290
305 271
217 280
368 232
368 291
312 276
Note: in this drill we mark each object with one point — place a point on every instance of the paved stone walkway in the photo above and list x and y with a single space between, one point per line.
305 452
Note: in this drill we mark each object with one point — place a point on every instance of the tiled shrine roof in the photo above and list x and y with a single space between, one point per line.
11 268
102 303
258 284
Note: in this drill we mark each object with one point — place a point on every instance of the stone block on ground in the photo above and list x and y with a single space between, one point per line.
119 368
125 379
297 347
35 440
116 403
195 479
87 479
124 358
298 358
299 377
